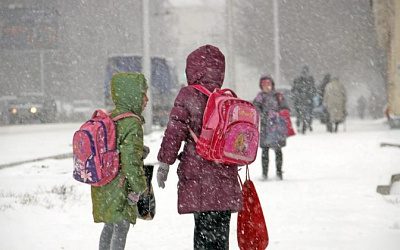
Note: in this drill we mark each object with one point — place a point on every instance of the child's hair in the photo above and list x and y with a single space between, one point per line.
267 77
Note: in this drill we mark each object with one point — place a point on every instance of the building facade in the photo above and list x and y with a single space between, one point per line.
61 47
387 23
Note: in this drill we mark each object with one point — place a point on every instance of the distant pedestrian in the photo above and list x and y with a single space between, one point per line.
321 92
209 190
335 102
273 130
361 106
374 109
115 203
303 92
322 86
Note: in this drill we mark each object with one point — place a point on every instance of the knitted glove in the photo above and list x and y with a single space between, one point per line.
162 174
133 198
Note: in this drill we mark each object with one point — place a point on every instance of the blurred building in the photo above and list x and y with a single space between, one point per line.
334 37
68 57
197 22
387 22
61 47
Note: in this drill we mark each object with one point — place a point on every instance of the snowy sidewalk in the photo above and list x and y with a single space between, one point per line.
328 198
27 142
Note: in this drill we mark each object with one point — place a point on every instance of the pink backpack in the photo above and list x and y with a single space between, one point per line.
95 154
229 134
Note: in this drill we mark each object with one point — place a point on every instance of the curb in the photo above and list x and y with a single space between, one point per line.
57 157
385 144
385 189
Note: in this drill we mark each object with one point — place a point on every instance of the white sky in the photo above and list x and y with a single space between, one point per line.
186 3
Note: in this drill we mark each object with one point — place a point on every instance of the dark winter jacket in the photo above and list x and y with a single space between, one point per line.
203 185
267 105
110 204
303 92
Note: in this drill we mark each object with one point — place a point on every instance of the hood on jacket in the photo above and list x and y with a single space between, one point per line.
327 78
127 91
267 77
305 71
205 65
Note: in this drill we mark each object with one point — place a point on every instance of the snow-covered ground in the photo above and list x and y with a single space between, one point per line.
328 198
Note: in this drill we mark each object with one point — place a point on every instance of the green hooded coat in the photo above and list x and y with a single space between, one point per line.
110 204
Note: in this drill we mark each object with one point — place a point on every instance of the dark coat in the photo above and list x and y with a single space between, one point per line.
203 185
303 92
266 104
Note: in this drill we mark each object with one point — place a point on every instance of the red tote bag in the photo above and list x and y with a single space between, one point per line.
285 114
252 231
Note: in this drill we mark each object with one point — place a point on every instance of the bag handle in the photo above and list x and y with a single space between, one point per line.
228 90
99 112
247 173
247 176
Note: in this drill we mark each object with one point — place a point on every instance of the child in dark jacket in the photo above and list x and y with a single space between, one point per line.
273 131
208 190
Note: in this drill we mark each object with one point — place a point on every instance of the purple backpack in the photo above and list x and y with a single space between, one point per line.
95 154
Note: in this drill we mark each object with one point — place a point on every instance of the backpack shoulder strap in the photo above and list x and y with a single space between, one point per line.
194 136
125 115
207 93
201 89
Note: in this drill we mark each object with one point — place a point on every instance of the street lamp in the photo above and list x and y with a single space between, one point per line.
146 65
277 49
231 57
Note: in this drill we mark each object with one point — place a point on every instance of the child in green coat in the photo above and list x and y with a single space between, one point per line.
115 203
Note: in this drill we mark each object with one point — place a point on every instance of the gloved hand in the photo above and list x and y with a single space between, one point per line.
162 174
146 151
133 198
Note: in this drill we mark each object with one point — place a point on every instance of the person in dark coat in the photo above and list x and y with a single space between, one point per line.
303 92
209 190
273 132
